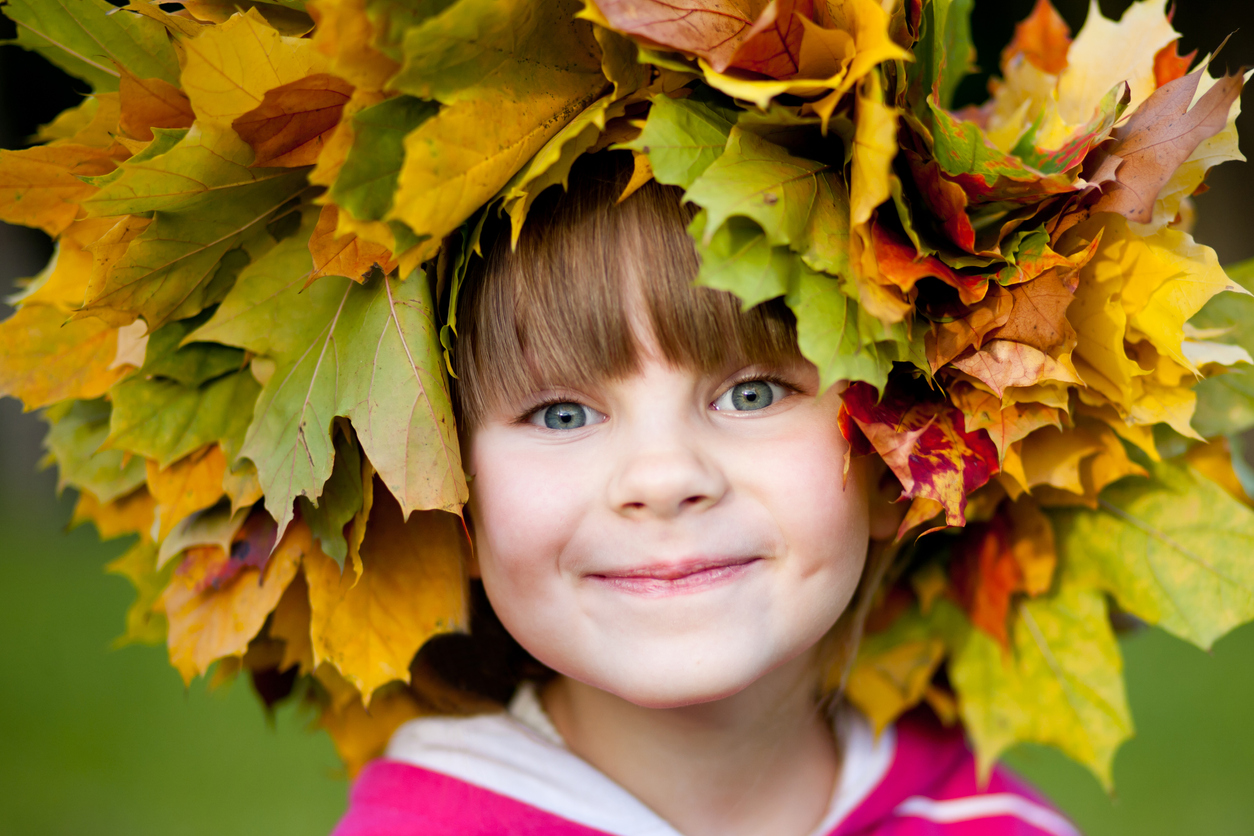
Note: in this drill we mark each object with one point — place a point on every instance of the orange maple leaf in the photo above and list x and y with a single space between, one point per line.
40 186
149 103
1043 38
294 120
348 256
190 484
903 265
1169 64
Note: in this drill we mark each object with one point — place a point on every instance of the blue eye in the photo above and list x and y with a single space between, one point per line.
749 396
565 416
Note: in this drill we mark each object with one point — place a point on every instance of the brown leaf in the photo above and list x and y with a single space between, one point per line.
149 103
1001 364
1043 38
1039 314
348 256
293 120
1159 137
711 29
772 46
1005 424
950 337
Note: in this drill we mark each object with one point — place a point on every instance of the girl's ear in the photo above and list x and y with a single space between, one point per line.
886 513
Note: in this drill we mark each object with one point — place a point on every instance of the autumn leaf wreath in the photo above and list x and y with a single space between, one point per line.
260 196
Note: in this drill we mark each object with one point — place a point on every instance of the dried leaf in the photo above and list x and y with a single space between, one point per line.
148 103
1172 551
1160 136
347 256
40 186
1005 424
1039 314
294 120
1002 364
711 29
497 115
924 442
1062 684
191 484
290 624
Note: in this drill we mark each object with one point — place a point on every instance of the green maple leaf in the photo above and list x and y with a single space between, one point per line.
206 202
366 352
797 202
79 428
1060 685
165 420
831 332
683 137
1174 551
91 39
1225 403
341 497
944 54
192 364
372 168
739 259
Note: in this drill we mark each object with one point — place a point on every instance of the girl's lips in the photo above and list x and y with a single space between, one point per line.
676 578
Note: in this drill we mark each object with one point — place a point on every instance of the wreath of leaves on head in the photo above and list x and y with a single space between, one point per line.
238 349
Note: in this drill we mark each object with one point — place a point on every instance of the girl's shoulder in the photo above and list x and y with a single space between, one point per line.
509 773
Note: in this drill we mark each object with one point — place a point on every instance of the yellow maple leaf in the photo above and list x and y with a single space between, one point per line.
874 147
130 514
229 67
360 735
412 587
40 186
884 685
345 34
48 359
290 625
547 70
1106 52
190 484
209 622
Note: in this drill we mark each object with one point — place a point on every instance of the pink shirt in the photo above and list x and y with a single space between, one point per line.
510 774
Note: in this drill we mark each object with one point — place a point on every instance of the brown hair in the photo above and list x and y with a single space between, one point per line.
554 309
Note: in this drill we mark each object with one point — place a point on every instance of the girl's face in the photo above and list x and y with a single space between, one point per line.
669 537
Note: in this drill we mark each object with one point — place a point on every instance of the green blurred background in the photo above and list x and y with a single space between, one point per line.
100 741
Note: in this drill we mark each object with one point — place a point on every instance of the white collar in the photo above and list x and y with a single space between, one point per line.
519 754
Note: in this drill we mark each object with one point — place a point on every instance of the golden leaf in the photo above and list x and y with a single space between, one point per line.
130 514
47 359
412 587
291 625
209 622
348 255
190 484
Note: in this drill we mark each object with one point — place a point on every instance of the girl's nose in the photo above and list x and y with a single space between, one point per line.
665 481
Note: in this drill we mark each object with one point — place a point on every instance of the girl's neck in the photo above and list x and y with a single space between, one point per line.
761 761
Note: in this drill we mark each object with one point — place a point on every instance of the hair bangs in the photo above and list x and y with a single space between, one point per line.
556 310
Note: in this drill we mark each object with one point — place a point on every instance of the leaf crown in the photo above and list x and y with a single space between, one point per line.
238 349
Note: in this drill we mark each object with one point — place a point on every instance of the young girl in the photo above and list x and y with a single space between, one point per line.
659 517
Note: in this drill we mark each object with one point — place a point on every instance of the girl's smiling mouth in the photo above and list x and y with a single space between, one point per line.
676 577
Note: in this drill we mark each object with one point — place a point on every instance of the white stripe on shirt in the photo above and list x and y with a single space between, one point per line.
986 806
